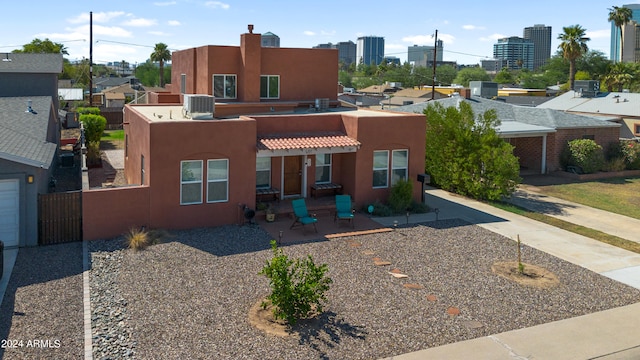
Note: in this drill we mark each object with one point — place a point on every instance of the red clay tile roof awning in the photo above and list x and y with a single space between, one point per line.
306 143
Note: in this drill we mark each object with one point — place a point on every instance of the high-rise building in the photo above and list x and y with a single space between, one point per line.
631 47
423 55
346 51
541 37
270 39
515 52
370 50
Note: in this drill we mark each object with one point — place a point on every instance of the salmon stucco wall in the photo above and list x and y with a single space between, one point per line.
108 213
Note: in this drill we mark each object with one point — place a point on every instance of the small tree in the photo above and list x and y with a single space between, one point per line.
94 126
464 154
298 287
401 196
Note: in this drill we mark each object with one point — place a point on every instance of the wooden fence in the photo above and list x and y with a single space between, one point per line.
59 217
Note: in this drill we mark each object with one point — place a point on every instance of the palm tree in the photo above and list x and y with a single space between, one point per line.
620 16
620 74
573 45
161 54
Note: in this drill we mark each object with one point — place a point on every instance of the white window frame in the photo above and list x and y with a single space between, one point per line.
265 170
224 90
395 167
268 77
186 182
225 180
385 168
329 165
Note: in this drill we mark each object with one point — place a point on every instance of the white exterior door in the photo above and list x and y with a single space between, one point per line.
9 212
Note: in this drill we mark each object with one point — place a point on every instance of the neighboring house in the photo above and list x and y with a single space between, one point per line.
25 74
28 145
103 83
265 136
619 107
29 137
538 135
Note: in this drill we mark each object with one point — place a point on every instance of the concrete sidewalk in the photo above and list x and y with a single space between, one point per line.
610 334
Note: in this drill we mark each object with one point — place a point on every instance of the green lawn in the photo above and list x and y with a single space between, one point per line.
110 135
621 195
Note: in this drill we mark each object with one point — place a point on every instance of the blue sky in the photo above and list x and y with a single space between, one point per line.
128 30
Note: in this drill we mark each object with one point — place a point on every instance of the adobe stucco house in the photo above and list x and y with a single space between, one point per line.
274 130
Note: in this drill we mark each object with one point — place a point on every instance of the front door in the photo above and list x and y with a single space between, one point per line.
292 175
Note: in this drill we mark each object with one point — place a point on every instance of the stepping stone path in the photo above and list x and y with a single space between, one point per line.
413 286
432 298
453 311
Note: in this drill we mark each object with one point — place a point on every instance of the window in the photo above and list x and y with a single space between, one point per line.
380 168
183 83
399 165
141 169
588 137
224 86
269 86
323 168
217 180
636 129
191 182
263 172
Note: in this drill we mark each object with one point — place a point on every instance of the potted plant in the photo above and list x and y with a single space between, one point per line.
270 213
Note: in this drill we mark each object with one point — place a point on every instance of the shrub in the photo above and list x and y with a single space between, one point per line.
137 239
401 196
585 153
88 110
298 287
93 153
615 164
94 126
631 152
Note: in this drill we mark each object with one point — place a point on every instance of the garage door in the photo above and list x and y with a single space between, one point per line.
9 212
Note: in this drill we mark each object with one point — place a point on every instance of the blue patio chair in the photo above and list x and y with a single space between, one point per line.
343 209
302 215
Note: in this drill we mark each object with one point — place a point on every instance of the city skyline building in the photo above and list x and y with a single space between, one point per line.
421 55
614 53
540 35
370 50
515 52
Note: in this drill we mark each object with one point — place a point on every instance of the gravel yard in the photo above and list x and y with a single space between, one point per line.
41 315
190 297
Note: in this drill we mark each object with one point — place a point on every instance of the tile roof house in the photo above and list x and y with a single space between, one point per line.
619 107
274 129
538 134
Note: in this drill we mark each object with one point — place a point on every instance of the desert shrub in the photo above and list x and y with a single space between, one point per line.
401 196
137 239
93 153
298 286
584 153
418 207
615 164
157 236
94 126
379 209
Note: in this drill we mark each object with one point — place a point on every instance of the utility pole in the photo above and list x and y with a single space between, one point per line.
433 80
90 58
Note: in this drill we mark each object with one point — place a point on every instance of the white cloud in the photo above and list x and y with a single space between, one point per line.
473 27
140 22
217 5
166 3
159 33
395 47
309 33
173 23
599 34
100 17
493 37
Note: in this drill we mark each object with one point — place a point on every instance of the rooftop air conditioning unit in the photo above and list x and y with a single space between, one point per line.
322 104
198 106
